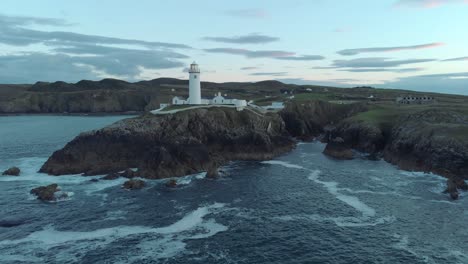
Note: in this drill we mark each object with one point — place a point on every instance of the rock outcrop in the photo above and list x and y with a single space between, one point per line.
134 184
13 171
430 141
307 120
173 145
48 193
337 149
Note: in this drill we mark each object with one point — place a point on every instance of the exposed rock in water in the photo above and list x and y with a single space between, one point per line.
128 173
338 150
212 172
48 193
111 176
163 146
13 171
134 184
172 183
452 189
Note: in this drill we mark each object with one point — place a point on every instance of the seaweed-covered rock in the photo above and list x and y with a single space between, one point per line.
13 171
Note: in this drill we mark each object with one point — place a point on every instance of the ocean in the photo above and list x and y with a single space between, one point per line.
299 208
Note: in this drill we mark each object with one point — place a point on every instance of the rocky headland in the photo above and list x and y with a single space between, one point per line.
164 146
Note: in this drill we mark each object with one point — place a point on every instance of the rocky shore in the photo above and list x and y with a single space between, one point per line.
188 142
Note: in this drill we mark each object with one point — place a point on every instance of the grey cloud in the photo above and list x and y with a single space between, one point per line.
80 54
303 58
247 13
403 70
376 62
246 39
27 20
453 83
274 54
457 59
29 68
248 68
269 73
350 52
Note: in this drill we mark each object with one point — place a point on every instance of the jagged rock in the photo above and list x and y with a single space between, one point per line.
47 193
128 173
338 150
452 189
94 180
110 176
134 184
13 171
172 183
212 172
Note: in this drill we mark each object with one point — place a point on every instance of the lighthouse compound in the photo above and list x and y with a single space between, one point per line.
195 93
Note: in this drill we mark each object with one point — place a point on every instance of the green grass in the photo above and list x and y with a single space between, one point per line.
313 96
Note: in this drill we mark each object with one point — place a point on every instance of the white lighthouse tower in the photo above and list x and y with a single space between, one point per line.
194 85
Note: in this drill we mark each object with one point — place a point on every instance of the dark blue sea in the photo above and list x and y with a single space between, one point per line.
299 208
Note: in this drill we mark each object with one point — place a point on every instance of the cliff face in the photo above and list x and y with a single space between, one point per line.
173 145
430 141
308 120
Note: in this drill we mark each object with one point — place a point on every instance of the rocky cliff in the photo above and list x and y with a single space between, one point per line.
173 145
430 140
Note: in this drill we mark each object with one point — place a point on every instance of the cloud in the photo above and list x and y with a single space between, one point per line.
302 58
404 70
269 74
453 83
249 68
376 62
350 52
78 56
273 54
457 59
12 32
247 13
253 38
428 3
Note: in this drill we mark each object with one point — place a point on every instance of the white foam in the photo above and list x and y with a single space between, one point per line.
283 163
339 221
185 180
332 188
50 236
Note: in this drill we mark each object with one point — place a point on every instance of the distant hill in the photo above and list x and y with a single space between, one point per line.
112 95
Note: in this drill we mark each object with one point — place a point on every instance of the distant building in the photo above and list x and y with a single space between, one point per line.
275 106
418 99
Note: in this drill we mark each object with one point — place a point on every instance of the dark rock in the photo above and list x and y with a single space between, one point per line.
452 189
94 180
338 150
212 172
13 171
172 183
110 176
163 146
134 184
128 173
46 193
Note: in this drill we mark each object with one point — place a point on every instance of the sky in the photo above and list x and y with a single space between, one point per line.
406 44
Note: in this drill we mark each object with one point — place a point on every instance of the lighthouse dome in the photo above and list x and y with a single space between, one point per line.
194 68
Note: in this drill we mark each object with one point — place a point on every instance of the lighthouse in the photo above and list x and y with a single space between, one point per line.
194 85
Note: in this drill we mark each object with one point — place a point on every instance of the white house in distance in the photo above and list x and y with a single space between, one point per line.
195 93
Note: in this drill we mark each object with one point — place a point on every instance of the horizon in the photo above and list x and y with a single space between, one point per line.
399 44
